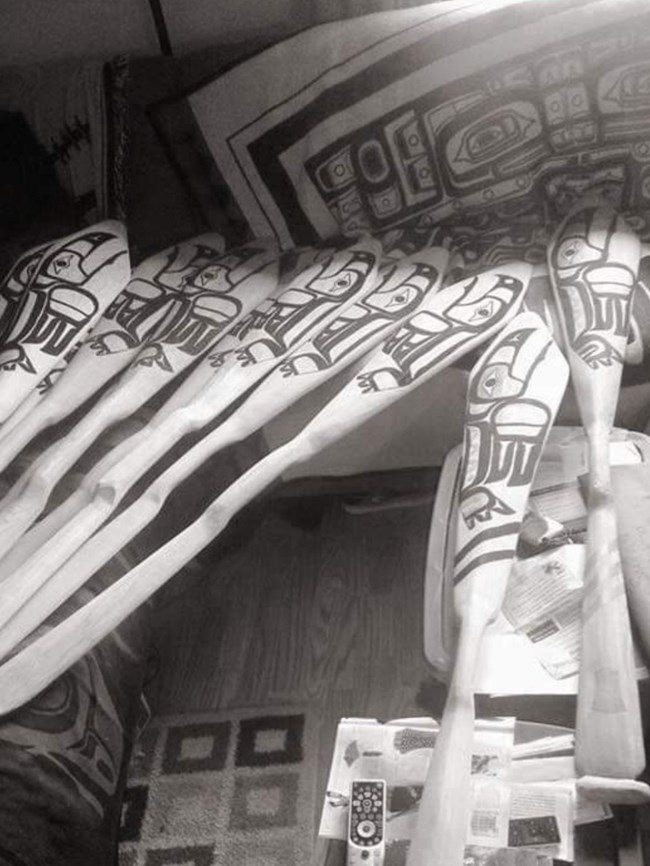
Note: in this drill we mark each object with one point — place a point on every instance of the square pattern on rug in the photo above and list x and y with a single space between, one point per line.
222 789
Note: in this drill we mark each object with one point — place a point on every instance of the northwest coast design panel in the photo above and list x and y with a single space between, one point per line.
520 140
430 336
505 432
56 307
534 134
279 323
185 304
400 289
593 287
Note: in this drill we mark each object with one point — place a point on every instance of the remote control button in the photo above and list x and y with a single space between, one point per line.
366 829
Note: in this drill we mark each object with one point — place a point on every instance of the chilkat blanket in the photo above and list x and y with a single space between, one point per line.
488 117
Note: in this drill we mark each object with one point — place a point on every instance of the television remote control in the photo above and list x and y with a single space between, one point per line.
366 823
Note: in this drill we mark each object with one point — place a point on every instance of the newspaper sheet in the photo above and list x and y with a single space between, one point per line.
543 603
533 646
511 808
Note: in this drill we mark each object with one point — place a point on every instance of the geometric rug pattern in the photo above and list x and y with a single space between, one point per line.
222 789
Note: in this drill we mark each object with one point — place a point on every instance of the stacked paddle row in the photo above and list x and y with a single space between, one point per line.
246 333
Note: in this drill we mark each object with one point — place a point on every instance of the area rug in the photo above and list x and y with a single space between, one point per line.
236 788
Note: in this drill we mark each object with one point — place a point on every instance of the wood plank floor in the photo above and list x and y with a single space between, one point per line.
330 615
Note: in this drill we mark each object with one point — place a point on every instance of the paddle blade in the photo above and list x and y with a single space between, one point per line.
594 263
514 393
445 327
75 280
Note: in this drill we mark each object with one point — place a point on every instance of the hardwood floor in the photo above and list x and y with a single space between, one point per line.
330 615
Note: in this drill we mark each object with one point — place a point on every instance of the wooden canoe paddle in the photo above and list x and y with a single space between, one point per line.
112 344
15 281
515 390
593 261
461 317
74 281
212 296
631 490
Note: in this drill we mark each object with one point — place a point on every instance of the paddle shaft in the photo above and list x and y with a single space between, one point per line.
50 655
362 327
55 571
440 837
609 734
29 496
631 488
56 519
79 632
41 567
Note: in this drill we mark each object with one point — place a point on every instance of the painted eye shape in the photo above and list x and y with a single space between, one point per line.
211 275
482 313
405 294
61 262
343 282
491 382
569 250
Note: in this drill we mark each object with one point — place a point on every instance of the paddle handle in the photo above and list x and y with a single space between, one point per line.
31 576
39 664
28 497
57 586
117 472
21 427
609 736
445 807
51 523
38 535
57 568
88 516
38 588
631 487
